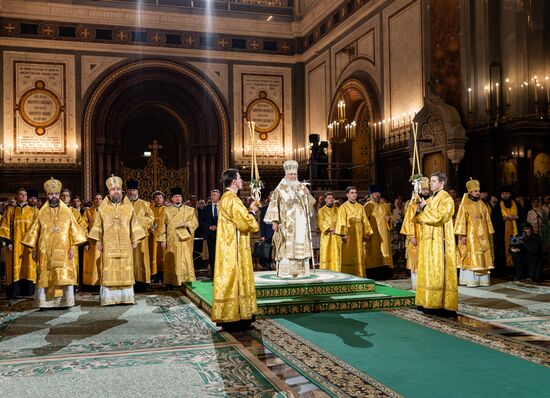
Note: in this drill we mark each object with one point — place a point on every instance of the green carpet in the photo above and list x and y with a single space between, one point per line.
417 361
161 346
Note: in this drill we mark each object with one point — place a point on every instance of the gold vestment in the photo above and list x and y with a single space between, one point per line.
156 253
510 228
378 248
52 234
142 263
15 224
353 222
331 242
474 221
437 283
411 229
234 291
116 227
178 254
92 257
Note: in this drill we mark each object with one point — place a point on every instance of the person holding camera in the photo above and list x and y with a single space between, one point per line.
526 251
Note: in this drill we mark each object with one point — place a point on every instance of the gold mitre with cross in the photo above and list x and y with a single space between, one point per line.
290 165
424 183
52 186
472 185
113 182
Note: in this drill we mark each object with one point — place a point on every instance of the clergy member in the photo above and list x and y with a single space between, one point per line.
234 293
378 248
475 234
289 212
53 235
354 228
437 285
331 242
509 212
92 257
145 216
65 197
117 232
413 231
176 236
20 266
156 253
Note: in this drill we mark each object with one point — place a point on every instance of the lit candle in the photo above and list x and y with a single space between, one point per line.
379 129
497 92
547 92
469 99
508 95
535 79
487 98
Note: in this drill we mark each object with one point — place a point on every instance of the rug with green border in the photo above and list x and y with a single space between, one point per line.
401 352
161 346
382 296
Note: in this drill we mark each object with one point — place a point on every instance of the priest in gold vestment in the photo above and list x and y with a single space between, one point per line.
144 214
509 211
413 231
354 228
475 234
234 293
65 197
437 284
20 266
156 252
331 243
289 212
176 235
117 232
92 257
53 236
378 248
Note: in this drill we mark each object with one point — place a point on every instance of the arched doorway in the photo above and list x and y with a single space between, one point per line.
158 100
352 153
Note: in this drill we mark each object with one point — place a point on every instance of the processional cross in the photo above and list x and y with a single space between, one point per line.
155 147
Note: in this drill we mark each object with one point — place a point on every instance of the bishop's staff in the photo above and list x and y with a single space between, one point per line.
416 174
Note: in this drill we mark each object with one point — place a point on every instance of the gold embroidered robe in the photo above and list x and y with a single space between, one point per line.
116 227
234 294
378 248
437 282
156 252
331 243
474 221
411 229
52 234
83 224
15 224
290 208
178 254
92 257
510 228
353 222
142 263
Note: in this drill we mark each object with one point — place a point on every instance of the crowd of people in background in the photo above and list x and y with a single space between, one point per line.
528 216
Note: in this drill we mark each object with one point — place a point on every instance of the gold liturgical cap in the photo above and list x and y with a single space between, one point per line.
290 165
113 182
52 186
425 183
472 185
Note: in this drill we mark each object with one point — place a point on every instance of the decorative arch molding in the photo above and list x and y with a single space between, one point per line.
97 94
360 66
358 92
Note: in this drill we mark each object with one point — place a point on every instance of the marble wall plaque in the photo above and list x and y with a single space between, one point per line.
39 121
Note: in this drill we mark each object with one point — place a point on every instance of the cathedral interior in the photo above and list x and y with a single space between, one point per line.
358 92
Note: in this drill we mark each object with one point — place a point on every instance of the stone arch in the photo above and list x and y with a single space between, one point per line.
188 93
362 107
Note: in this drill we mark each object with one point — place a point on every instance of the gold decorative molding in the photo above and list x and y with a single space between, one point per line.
120 73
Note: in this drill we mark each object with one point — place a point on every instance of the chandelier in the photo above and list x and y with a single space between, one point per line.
340 130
